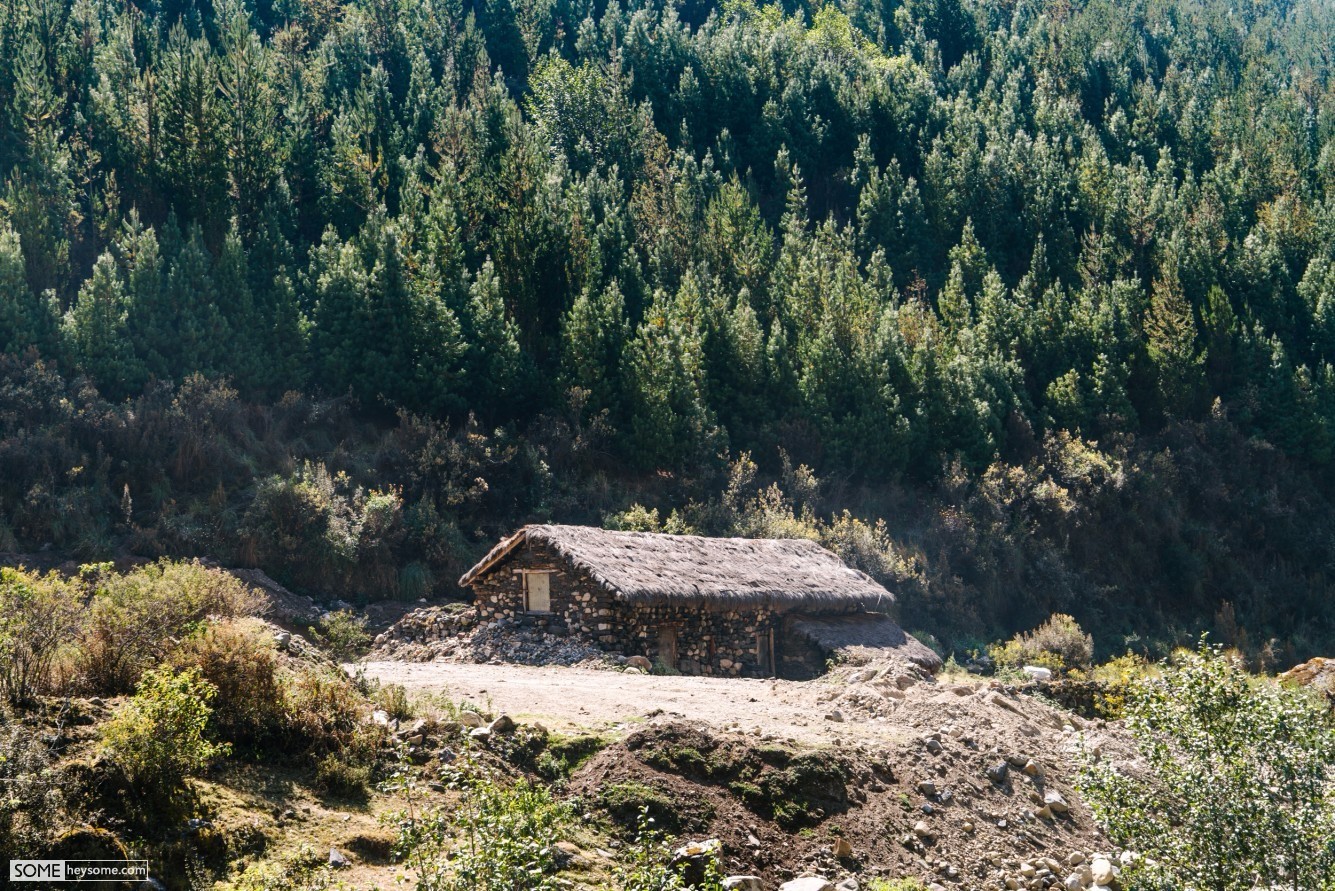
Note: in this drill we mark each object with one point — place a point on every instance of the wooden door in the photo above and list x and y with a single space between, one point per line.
667 646
539 592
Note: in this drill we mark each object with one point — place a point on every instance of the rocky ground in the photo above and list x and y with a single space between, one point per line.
874 771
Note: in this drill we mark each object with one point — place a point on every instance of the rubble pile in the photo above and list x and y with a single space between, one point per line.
453 634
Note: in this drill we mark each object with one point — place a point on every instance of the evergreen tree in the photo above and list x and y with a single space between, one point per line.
95 330
25 320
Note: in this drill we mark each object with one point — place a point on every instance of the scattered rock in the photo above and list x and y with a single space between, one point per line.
503 724
481 734
705 848
1101 871
928 788
470 718
836 716
808 883
337 860
841 849
997 772
1038 672
923 831
1053 800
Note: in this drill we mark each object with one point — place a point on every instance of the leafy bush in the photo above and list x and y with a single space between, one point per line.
650 865
1059 644
500 837
239 659
136 619
39 617
343 633
1237 793
157 737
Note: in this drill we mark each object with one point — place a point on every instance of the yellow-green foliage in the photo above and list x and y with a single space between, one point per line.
1059 644
157 737
135 619
1115 678
39 618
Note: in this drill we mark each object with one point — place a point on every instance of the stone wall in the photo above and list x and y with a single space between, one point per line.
729 643
579 606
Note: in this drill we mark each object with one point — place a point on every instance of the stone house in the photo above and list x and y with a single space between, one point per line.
720 606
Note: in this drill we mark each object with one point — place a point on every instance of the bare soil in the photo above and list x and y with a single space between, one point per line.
566 699
911 752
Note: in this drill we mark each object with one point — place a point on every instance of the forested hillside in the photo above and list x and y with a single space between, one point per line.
345 289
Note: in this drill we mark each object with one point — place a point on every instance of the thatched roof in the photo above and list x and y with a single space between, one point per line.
723 573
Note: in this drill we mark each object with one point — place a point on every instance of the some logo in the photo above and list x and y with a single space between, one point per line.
78 870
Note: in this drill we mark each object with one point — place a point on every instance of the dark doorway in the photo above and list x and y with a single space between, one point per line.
667 646
798 658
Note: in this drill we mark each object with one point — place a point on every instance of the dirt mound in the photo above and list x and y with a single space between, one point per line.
970 785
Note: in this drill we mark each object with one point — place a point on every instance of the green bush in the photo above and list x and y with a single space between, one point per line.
39 619
1237 791
324 714
343 634
157 738
500 837
650 867
393 700
1059 644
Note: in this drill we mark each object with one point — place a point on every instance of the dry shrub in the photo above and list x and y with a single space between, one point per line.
135 620
325 712
33 790
238 657
39 618
1059 643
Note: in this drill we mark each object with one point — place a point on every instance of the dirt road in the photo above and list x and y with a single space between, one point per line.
568 698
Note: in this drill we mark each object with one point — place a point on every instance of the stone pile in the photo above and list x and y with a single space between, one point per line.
452 634
1077 871
421 633
427 739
